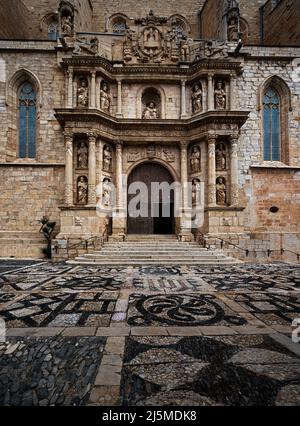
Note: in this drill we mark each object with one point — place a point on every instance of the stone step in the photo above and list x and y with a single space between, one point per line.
153 250
226 261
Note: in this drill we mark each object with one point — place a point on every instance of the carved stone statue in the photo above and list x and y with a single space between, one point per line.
82 190
220 96
106 193
221 157
197 99
185 50
82 156
221 191
233 29
216 49
67 25
90 45
83 94
195 160
105 98
195 189
150 112
107 158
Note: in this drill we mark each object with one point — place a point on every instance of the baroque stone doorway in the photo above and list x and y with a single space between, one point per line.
156 207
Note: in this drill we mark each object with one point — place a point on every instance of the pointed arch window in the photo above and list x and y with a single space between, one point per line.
53 30
27 121
272 131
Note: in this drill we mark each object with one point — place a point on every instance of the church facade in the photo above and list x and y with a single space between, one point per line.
101 100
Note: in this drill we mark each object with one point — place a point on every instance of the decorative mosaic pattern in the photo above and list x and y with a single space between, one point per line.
180 310
48 371
60 310
170 284
77 283
271 308
202 371
23 281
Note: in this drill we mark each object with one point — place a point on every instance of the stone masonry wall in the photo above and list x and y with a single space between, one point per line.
286 15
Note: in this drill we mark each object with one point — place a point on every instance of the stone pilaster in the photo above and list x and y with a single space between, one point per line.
98 86
92 169
186 211
68 168
93 90
211 171
119 212
183 99
69 88
232 92
210 93
119 113
234 169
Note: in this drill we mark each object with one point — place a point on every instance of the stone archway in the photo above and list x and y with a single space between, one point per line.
157 214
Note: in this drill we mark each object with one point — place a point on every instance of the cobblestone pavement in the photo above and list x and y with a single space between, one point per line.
88 335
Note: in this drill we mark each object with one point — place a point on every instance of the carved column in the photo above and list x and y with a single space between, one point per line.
70 89
211 171
92 169
186 211
99 80
234 180
184 172
119 212
210 93
119 100
93 91
232 92
119 182
68 168
183 99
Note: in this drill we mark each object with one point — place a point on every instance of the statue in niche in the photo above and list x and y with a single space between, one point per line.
195 160
197 99
82 156
150 112
107 158
195 190
220 96
106 193
67 25
233 29
105 98
82 190
221 191
221 157
83 93
185 50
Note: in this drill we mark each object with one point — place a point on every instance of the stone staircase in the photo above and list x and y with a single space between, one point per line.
161 250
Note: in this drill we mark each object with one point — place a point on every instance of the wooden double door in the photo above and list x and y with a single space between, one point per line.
160 209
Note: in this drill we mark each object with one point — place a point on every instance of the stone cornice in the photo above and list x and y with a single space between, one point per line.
221 122
153 70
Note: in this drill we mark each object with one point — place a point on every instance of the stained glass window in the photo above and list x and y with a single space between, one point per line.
53 31
27 121
271 108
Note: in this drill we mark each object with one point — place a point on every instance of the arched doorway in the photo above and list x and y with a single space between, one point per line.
159 209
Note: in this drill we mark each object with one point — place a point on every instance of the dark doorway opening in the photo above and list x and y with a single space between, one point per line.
160 217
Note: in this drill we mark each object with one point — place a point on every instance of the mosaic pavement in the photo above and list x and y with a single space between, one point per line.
186 335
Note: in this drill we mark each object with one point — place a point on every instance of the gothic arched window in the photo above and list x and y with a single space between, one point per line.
271 125
119 26
27 121
53 30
